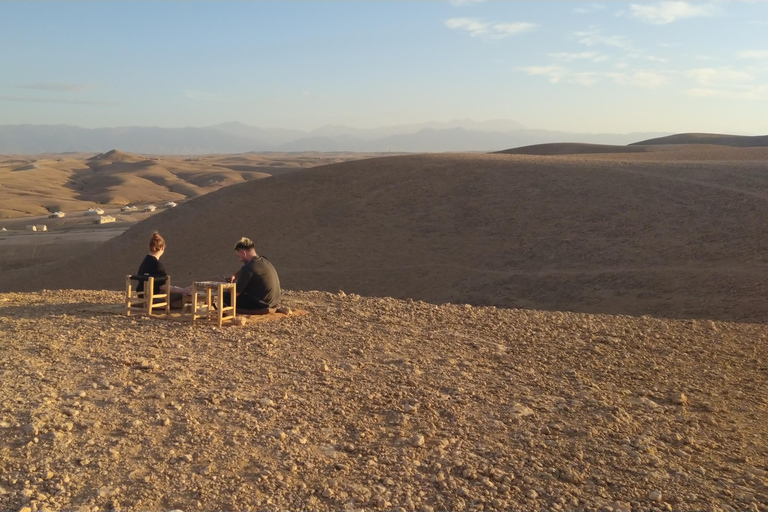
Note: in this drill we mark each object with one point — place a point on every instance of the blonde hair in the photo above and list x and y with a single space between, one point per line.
157 243
244 243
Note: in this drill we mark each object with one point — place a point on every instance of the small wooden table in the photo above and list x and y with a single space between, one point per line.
211 289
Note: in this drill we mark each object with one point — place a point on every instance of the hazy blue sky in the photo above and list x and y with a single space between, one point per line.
611 66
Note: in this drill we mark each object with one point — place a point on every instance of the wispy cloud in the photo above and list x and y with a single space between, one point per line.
594 37
585 9
591 56
555 74
58 86
662 13
644 79
489 30
712 76
201 96
754 54
724 82
31 99
461 3
745 93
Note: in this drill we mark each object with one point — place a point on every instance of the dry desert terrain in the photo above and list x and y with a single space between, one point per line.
676 232
548 329
378 404
33 185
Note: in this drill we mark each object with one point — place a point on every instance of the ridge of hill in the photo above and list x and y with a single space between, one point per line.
675 143
571 148
629 236
742 141
111 156
677 153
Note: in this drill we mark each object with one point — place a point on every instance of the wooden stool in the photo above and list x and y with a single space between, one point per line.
143 302
210 288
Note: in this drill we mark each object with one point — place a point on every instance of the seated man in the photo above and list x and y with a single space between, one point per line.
258 286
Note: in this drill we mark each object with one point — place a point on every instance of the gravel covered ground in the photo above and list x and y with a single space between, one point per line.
378 404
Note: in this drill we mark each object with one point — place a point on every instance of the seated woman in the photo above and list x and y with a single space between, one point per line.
151 266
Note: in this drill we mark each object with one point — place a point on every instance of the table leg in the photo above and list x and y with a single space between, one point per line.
194 303
128 292
220 301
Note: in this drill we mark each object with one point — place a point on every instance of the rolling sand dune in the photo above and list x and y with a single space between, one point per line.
33 186
25 187
110 157
673 238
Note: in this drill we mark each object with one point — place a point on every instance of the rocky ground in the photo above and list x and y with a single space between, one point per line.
378 404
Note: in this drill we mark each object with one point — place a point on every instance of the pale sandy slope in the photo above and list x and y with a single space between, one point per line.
378 404
40 184
681 236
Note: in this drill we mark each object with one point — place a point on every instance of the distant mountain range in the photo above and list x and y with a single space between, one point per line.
460 135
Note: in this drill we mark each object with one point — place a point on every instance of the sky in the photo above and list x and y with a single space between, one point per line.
586 67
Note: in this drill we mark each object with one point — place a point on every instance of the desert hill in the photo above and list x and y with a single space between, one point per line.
571 148
679 237
681 146
111 156
37 186
41 184
741 141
